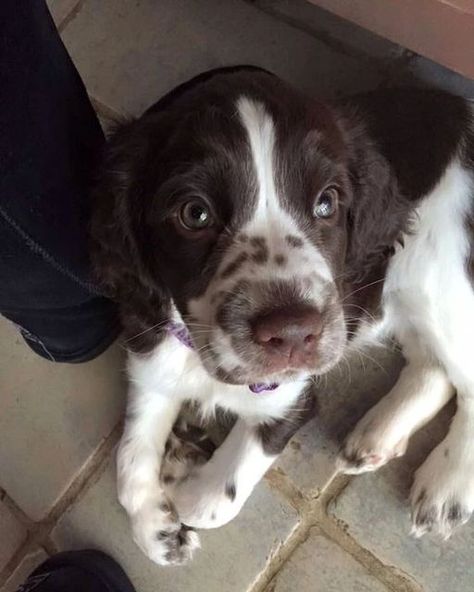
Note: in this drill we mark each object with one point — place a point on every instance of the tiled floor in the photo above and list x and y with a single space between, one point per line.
304 528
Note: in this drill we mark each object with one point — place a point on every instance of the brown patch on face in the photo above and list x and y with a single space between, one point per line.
294 241
280 259
218 296
470 261
261 253
234 265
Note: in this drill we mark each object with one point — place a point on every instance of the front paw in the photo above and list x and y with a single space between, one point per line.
442 495
204 503
375 440
161 536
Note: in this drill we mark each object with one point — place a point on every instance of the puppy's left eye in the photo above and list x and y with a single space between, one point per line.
326 202
195 215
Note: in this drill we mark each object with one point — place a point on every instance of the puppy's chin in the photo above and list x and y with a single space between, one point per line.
245 376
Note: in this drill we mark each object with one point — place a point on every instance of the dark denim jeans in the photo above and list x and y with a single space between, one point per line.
50 143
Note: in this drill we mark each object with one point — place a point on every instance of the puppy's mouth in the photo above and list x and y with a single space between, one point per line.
247 363
240 377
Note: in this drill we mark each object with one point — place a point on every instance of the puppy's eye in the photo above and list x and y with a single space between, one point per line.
195 215
326 202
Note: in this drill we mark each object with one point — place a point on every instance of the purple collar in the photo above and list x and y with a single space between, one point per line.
181 333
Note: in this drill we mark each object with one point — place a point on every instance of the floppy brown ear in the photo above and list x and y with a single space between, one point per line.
118 263
378 214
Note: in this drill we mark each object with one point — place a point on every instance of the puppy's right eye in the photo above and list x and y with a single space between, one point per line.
195 215
326 202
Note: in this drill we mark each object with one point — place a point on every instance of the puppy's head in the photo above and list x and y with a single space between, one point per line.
231 197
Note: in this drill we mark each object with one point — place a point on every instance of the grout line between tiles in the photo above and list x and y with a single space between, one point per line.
75 10
88 474
17 512
313 511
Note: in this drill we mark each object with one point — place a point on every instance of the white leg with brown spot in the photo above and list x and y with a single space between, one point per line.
156 528
214 493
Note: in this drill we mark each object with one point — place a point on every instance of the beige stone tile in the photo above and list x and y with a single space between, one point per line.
230 558
52 417
60 9
319 565
26 566
376 511
12 534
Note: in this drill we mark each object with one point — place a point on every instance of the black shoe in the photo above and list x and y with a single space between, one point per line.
78 571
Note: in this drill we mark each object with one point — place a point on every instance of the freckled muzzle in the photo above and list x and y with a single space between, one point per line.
275 330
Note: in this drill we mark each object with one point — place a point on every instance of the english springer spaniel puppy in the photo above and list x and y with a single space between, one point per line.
252 236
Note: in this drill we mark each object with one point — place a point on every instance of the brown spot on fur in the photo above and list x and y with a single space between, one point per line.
258 242
261 253
294 241
260 257
230 491
421 498
218 296
470 261
234 265
455 513
222 375
280 259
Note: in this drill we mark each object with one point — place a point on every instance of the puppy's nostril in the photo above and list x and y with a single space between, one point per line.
309 339
275 341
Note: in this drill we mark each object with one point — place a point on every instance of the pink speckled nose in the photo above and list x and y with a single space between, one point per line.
288 335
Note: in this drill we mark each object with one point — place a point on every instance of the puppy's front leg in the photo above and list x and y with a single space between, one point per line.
156 527
383 433
214 493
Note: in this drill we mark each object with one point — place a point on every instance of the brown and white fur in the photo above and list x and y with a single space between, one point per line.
331 226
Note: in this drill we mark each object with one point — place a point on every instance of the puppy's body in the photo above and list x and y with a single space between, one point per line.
330 227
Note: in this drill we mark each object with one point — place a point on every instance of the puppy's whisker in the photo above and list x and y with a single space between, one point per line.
160 324
362 288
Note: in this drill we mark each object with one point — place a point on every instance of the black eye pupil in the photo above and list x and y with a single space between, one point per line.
198 214
195 216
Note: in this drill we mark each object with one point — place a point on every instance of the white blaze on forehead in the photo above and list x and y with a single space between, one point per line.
270 220
261 134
